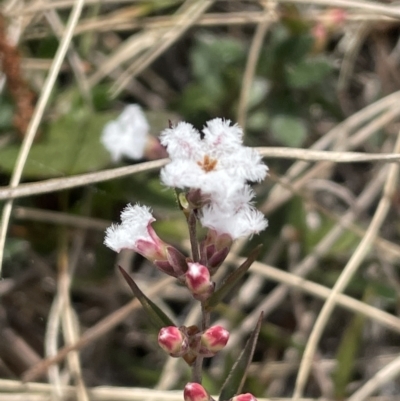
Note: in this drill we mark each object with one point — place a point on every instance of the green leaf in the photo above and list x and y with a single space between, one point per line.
6 114
212 54
70 145
348 350
293 19
289 48
258 91
288 130
232 279
157 317
237 376
257 120
307 72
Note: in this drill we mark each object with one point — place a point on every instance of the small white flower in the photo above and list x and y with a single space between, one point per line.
135 232
134 227
245 221
127 135
202 162
182 141
216 163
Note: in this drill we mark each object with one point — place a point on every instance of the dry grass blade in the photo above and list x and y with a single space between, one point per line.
59 184
386 374
345 277
360 5
308 264
189 13
59 218
203 59
248 76
15 390
93 333
386 319
280 194
37 117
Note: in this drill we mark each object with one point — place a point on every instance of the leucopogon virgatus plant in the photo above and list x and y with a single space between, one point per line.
210 172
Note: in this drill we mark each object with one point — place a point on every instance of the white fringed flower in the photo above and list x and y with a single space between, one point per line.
134 227
135 232
202 162
216 163
127 135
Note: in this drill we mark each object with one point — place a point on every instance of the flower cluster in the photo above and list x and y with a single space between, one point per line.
213 170
217 166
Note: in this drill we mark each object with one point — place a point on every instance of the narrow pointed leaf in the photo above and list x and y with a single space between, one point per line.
232 279
157 317
234 383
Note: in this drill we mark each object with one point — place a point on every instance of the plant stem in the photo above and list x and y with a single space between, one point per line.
197 370
193 236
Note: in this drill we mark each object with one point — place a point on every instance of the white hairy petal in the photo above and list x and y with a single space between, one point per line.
246 221
134 226
182 141
219 135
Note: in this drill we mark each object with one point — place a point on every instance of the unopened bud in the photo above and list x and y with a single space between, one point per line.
215 249
153 149
198 281
173 341
244 397
334 18
213 340
195 392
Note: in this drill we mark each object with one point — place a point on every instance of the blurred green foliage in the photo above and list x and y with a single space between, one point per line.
290 79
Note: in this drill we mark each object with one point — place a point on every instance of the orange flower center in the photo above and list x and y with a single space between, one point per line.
208 164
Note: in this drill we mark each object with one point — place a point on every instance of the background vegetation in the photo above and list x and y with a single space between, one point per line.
314 75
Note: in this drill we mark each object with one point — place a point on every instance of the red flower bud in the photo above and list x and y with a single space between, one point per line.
213 340
244 397
198 281
215 248
195 392
173 341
